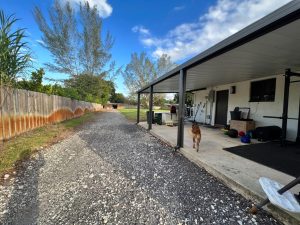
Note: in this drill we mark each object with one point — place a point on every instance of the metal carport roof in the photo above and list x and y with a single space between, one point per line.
266 47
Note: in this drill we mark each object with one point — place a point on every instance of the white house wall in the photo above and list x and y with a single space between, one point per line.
257 109
199 98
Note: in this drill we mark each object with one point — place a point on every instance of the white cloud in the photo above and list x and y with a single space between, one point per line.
33 59
40 42
148 41
104 8
223 19
140 29
169 96
179 8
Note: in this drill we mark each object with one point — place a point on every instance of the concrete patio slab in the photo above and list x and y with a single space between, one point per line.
237 172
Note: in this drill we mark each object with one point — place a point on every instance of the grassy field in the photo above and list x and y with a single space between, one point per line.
130 114
21 147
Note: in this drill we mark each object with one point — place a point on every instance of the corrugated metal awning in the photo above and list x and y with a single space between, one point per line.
266 47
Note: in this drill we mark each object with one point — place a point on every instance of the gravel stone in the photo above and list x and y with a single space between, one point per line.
113 172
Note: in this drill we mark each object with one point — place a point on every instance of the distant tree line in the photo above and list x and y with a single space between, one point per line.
83 87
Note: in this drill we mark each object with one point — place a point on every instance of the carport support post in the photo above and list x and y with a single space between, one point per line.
182 89
138 108
298 132
287 81
150 119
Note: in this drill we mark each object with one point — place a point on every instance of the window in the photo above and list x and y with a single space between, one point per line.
263 90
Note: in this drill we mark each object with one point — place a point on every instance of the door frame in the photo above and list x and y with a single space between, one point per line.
216 107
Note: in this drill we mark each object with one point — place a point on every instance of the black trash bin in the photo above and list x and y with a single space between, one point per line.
158 118
148 117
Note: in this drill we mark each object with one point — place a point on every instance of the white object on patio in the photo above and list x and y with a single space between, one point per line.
168 119
286 201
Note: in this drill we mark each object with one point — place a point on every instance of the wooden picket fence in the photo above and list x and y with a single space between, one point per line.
22 110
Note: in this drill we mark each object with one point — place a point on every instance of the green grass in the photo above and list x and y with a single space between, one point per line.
73 123
130 114
21 147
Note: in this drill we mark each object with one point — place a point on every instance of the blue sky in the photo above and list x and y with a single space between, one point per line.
179 28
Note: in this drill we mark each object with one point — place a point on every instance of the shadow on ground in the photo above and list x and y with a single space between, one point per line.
23 205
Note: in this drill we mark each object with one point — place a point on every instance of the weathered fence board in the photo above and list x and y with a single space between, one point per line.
22 110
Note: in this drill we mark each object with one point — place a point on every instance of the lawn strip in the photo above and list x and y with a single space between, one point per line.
21 147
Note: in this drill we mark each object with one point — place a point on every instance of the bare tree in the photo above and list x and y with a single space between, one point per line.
75 42
164 65
142 70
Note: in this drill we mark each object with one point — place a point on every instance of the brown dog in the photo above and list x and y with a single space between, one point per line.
196 135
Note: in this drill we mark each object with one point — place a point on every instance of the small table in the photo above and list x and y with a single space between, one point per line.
242 125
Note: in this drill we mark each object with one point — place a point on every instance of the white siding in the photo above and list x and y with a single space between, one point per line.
258 109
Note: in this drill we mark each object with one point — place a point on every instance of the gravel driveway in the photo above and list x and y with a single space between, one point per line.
112 172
